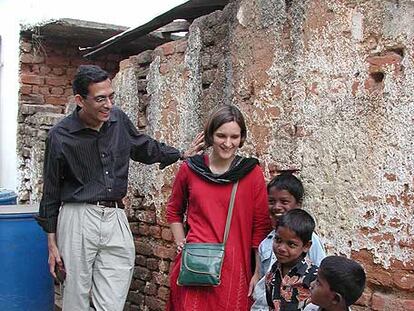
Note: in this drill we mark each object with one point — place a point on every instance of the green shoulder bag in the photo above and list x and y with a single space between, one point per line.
201 263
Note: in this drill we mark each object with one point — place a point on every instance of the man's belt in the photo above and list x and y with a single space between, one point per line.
112 204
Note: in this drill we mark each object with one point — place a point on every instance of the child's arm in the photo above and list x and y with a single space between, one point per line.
256 275
316 252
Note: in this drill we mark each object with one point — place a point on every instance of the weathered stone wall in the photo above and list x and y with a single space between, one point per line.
47 68
326 87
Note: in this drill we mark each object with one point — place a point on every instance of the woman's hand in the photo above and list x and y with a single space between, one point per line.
196 146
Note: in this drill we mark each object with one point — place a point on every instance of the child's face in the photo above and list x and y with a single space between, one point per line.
288 247
321 293
280 201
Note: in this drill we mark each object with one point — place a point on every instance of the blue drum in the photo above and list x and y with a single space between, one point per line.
7 197
25 281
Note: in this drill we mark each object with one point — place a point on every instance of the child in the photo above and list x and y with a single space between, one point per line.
340 282
285 192
289 279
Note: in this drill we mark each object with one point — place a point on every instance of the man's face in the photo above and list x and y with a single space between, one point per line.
96 107
288 247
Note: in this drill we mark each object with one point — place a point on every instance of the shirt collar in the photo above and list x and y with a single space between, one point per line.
299 269
76 123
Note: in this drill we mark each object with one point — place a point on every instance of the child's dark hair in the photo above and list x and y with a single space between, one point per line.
300 222
344 276
289 182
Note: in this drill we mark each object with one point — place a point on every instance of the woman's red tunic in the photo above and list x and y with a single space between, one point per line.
207 211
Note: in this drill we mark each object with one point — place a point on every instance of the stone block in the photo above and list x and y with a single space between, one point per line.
28 58
32 79
145 57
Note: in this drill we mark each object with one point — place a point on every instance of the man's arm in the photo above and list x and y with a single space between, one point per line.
147 150
50 203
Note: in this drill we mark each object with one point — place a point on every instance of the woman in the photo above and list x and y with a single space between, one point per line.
202 190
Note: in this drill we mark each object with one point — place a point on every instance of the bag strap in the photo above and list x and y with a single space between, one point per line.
230 212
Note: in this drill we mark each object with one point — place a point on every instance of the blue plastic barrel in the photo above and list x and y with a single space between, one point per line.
25 281
7 197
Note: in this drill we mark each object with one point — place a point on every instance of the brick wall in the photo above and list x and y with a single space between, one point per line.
46 70
325 87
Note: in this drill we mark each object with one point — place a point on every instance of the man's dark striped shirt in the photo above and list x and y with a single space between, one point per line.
85 165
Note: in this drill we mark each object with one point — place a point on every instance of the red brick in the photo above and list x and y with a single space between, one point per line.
383 302
36 69
56 81
160 278
44 70
150 289
168 48
146 216
164 68
56 60
408 304
44 90
166 234
25 46
57 91
28 58
379 63
142 273
152 263
155 232
32 79
143 229
365 299
404 280
164 252
163 293
181 46
378 302
154 303
55 100
143 248
36 89
58 71
25 89
68 92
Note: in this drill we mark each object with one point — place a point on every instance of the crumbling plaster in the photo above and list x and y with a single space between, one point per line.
301 72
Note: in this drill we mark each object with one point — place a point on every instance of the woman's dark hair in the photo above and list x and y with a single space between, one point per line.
344 276
300 222
224 114
289 182
85 75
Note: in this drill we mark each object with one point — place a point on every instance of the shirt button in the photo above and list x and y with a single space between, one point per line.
106 172
103 155
109 189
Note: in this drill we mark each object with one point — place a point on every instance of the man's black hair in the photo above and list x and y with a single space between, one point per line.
289 182
300 222
85 75
344 276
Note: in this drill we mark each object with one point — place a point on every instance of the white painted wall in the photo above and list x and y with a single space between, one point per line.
9 87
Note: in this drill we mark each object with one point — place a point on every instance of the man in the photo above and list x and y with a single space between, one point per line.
85 178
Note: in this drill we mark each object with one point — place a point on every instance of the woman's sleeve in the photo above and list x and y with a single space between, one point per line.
177 203
261 218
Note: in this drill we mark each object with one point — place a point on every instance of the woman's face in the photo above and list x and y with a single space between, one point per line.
226 140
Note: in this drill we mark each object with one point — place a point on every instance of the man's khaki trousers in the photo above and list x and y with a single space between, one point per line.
97 248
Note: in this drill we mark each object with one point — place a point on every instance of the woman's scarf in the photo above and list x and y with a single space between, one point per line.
239 168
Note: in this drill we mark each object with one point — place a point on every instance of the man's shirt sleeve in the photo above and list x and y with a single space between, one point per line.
147 150
51 198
